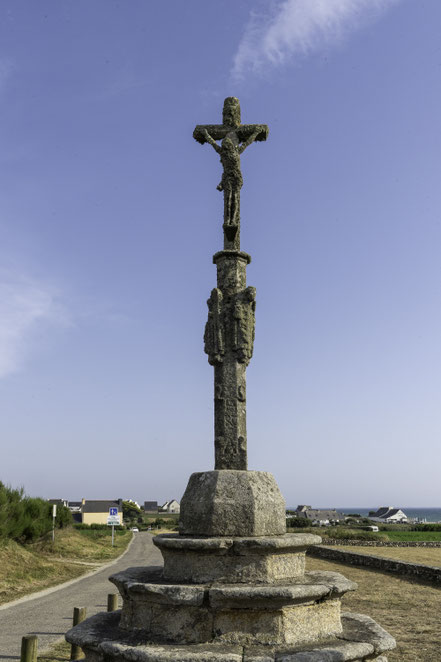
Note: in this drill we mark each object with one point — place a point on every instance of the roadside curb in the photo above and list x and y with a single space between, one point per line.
52 589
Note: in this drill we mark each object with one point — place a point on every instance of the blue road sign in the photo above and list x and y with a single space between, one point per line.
113 512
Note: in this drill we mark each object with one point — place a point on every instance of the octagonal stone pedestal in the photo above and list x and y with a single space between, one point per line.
232 503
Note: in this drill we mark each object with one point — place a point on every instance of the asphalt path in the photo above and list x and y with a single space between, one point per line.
48 613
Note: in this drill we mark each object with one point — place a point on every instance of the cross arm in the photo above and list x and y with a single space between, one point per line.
219 131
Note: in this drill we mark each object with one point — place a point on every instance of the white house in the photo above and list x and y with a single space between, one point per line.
171 507
389 515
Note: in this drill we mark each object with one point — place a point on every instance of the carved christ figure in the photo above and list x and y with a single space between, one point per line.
235 138
230 150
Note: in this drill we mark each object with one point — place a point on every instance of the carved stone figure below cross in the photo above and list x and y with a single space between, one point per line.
235 138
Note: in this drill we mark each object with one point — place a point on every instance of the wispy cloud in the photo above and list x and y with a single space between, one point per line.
25 306
293 28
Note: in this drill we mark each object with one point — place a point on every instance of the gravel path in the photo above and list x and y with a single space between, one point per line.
49 613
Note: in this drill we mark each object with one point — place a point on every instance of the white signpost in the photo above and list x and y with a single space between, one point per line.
54 514
113 520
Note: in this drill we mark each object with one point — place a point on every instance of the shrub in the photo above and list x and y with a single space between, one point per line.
356 534
26 519
426 527
297 523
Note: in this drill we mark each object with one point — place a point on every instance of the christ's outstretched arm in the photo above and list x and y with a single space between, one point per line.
248 141
212 142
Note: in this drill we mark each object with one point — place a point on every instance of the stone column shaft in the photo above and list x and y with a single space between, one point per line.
229 339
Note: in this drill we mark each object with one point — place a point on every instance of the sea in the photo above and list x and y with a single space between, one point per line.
420 514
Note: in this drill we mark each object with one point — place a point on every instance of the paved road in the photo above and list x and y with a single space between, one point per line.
50 615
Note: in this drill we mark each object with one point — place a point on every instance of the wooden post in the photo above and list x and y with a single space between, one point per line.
29 646
112 601
79 615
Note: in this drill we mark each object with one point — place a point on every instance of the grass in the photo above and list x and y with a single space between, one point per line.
407 609
424 536
26 569
346 533
424 555
57 653
85 544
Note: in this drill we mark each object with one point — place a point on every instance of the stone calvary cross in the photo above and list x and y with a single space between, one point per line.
229 332
235 138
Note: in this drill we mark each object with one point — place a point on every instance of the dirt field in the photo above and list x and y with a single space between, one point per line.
408 610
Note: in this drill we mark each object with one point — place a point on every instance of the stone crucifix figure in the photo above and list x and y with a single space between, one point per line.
235 138
229 332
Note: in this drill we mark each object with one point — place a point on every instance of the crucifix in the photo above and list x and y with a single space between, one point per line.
229 332
235 138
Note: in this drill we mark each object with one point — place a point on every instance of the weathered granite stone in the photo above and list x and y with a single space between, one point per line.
233 613
235 138
352 652
358 627
256 559
103 641
229 332
290 625
232 503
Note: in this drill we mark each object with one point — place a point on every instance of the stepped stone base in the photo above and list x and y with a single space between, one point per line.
103 640
231 599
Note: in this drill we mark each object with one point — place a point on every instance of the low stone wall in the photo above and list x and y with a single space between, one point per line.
417 570
382 543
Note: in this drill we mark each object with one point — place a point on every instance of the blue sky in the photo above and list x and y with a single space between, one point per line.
110 217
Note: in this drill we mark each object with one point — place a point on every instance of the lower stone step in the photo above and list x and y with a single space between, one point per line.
305 610
103 641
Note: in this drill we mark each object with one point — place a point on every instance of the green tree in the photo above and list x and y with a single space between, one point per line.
130 510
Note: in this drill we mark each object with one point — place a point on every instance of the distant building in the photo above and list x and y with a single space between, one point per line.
388 515
151 507
59 502
170 507
319 517
97 512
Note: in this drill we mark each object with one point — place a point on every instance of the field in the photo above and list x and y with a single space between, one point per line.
58 653
408 610
25 569
423 536
424 555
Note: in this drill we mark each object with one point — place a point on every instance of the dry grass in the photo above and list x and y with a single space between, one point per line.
57 653
407 609
425 555
26 569
84 545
